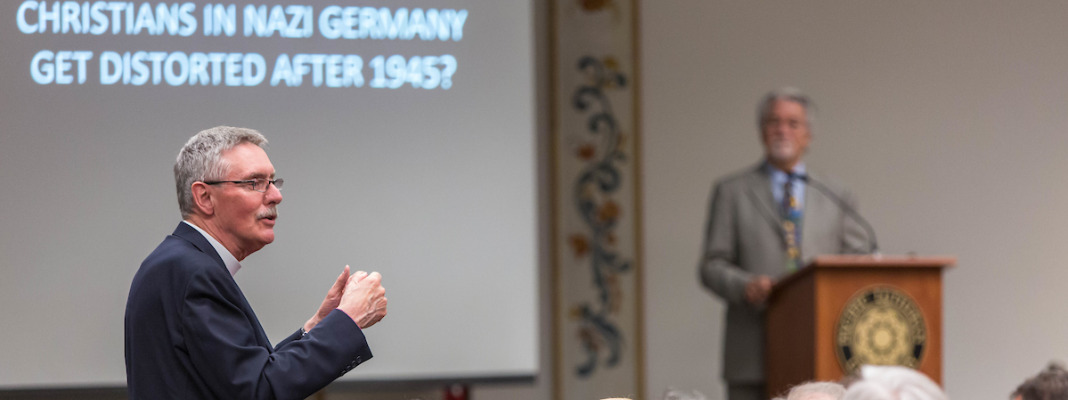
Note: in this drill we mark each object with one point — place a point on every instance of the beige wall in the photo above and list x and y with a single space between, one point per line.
946 118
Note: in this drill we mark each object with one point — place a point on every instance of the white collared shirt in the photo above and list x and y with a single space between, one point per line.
231 262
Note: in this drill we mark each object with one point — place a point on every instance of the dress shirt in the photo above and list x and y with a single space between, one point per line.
778 179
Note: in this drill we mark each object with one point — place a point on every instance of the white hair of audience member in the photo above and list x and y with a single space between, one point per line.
882 382
816 391
676 394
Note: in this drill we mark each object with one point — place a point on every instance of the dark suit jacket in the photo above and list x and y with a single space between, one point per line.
190 334
744 238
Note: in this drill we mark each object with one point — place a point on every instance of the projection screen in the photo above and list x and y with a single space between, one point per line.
404 131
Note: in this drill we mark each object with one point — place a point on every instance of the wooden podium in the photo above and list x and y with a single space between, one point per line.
841 311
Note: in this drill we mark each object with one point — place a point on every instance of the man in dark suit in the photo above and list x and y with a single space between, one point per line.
763 224
190 332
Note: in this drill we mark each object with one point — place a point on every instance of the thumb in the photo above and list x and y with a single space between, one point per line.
339 284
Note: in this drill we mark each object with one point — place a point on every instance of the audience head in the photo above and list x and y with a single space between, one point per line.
876 382
816 391
1050 384
676 394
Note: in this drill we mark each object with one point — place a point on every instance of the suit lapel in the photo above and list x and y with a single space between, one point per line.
759 189
191 235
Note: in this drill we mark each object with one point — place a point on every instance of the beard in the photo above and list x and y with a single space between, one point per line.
783 151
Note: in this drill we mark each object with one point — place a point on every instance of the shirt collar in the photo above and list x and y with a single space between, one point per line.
229 260
778 176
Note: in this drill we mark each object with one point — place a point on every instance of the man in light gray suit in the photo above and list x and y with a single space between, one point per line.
764 223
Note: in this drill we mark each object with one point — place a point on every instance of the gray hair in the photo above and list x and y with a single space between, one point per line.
892 382
786 94
201 159
676 394
812 390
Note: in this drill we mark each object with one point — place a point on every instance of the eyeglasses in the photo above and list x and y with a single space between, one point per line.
259 184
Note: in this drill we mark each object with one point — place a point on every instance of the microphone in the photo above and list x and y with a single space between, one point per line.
874 248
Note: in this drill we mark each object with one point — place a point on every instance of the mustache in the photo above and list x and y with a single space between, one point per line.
268 213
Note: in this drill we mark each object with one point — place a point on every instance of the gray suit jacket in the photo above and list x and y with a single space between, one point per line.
744 238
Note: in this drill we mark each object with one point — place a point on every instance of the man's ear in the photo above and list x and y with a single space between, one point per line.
203 201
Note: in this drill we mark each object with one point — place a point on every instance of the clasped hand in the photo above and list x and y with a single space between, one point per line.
360 295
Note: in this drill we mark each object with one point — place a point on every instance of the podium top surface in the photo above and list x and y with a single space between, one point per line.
831 261
851 260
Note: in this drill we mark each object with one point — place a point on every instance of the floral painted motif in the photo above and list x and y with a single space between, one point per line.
592 195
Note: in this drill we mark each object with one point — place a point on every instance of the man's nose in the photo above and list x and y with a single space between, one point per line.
273 195
780 130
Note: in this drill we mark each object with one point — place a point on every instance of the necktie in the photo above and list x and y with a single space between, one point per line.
791 224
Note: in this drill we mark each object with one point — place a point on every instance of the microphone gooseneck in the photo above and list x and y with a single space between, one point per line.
874 247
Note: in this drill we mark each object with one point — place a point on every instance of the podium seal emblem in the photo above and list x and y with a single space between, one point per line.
881 326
